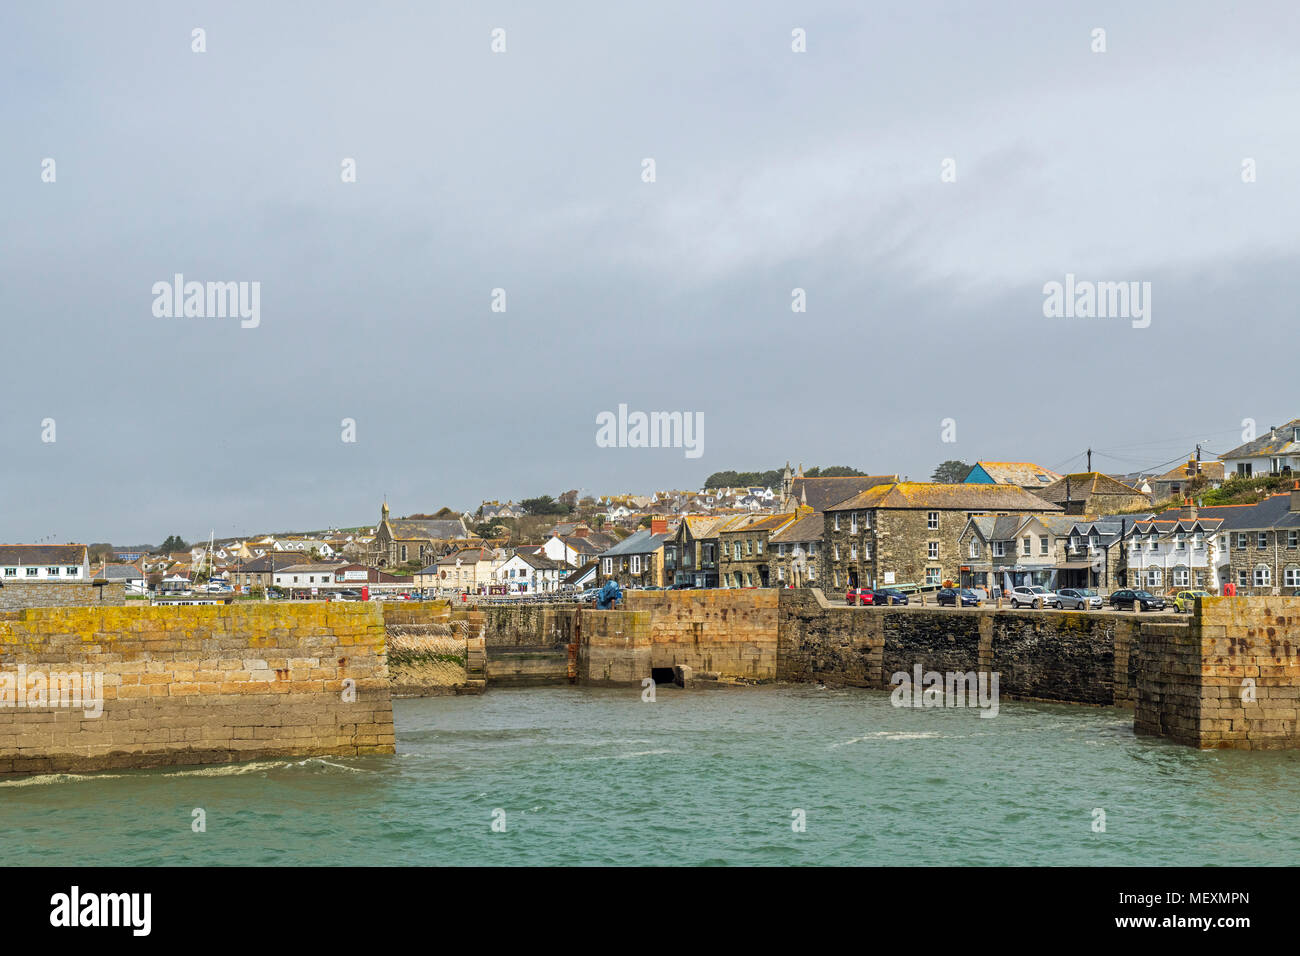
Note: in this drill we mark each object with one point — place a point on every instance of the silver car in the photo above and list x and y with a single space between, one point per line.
1028 595
1080 599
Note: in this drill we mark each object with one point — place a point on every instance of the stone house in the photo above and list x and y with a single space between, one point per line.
744 555
908 533
1092 493
637 561
1177 482
818 494
1259 545
1006 551
691 552
794 551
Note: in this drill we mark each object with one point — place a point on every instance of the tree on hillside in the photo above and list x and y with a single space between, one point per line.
173 543
834 471
951 472
543 505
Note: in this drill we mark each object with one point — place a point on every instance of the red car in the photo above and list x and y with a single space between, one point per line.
862 596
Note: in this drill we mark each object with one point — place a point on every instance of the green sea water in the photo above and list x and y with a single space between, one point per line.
587 776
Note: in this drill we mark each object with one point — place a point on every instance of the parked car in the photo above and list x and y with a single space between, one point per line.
951 595
588 596
1080 599
1127 597
682 587
1028 595
1185 601
888 596
862 596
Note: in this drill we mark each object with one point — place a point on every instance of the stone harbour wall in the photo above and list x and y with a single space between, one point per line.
192 685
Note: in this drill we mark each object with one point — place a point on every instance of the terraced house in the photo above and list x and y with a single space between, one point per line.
795 550
908 533
1175 550
1006 551
691 552
745 557
637 561
1259 545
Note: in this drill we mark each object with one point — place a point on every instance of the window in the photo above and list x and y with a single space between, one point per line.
866 519
32 572
72 572
999 549
403 552
735 551
853 523
52 572
1180 577
780 574
853 552
1153 542
931 575
608 566
835 553
974 548
932 521
1093 540
1263 576
812 548
1241 541
1293 539
1200 577
1042 544
1153 577
932 550
636 564
1243 469
1261 540
780 550
866 550
1291 577
837 526
1026 546
812 572
11 572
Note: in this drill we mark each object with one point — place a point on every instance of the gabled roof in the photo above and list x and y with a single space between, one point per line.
959 497
427 529
643 542
1274 442
807 527
1023 473
1210 469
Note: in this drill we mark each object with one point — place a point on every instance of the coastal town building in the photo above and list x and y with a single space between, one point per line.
908 533
794 551
44 562
637 561
745 558
399 540
1275 452
1092 493
691 553
1024 474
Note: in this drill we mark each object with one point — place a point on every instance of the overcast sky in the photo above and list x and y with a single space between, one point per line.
522 170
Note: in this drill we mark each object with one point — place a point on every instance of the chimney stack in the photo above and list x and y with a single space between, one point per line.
1295 495
659 525
1191 505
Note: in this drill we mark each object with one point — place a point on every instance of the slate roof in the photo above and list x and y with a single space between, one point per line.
33 554
1023 473
959 497
121 572
1278 442
1213 470
643 542
1085 485
427 529
821 493
806 528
